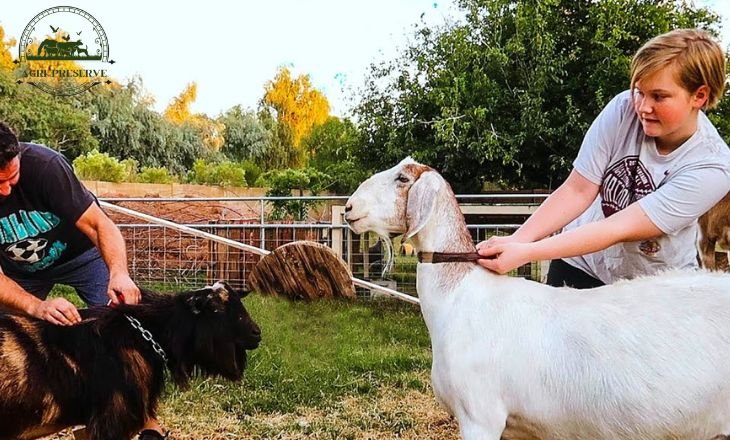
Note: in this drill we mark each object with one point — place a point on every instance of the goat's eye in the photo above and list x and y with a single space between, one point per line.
402 179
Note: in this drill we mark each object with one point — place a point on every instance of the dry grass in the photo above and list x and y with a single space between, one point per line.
388 414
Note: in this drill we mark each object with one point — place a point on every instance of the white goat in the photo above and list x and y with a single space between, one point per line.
643 359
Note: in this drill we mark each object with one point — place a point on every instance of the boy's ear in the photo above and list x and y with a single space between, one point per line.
701 96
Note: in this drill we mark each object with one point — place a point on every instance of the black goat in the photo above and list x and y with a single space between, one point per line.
104 373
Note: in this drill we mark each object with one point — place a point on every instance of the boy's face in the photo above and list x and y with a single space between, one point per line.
9 176
667 111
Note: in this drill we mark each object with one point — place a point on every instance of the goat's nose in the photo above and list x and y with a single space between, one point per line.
348 207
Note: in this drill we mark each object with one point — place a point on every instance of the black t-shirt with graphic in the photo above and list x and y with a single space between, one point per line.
38 218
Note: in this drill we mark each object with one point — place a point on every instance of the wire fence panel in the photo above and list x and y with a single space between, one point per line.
164 258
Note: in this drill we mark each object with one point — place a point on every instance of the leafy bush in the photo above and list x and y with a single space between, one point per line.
155 175
225 173
252 171
101 166
281 183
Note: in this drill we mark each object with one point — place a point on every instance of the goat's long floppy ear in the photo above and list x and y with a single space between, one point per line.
421 202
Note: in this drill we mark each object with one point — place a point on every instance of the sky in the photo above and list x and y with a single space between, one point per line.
232 49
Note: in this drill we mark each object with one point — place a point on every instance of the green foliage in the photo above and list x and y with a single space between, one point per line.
281 153
61 123
155 175
251 171
225 173
127 126
100 166
507 95
333 147
281 183
246 137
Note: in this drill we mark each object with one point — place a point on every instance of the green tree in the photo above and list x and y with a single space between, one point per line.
101 166
507 95
332 148
155 175
61 123
246 137
127 126
282 183
281 152
224 173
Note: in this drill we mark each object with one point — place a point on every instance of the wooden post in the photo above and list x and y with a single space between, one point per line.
338 211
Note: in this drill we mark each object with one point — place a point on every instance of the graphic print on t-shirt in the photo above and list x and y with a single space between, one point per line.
625 182
20 237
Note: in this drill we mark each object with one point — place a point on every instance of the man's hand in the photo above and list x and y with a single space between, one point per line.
123 290
56 311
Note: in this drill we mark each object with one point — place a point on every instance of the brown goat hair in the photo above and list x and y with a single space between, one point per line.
714 229
104 374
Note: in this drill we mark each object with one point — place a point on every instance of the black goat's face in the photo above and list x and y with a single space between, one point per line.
228 330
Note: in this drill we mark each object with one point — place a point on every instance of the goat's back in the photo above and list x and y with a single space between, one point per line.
642 359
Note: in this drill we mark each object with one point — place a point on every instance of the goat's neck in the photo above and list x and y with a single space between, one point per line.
446 230
156 323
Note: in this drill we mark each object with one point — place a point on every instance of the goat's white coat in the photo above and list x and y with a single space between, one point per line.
642 359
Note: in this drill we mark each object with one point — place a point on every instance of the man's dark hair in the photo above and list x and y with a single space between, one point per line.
9 147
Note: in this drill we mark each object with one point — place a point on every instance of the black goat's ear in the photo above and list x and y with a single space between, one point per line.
217 301
196 303
207 300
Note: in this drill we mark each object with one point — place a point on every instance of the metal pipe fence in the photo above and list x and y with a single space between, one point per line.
164 258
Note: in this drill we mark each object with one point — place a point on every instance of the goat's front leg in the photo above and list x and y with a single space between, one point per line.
475 431
114 421
487 427
707 253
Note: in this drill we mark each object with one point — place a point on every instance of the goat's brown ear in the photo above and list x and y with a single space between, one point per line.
421 202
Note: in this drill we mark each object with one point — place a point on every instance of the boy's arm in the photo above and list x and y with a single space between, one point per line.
563 206
630 224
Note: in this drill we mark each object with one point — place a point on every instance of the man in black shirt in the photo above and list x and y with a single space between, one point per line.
53 231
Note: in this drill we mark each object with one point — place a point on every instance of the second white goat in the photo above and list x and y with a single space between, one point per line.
515 359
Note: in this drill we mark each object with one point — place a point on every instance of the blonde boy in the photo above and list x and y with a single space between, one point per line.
649 166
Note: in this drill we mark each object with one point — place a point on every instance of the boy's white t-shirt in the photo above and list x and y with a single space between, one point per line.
673 190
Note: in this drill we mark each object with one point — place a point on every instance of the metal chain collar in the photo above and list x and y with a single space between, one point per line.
147 336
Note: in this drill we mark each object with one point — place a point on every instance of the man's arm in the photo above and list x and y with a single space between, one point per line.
95 224
14 298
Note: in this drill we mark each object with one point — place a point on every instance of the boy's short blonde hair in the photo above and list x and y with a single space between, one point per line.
697 56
